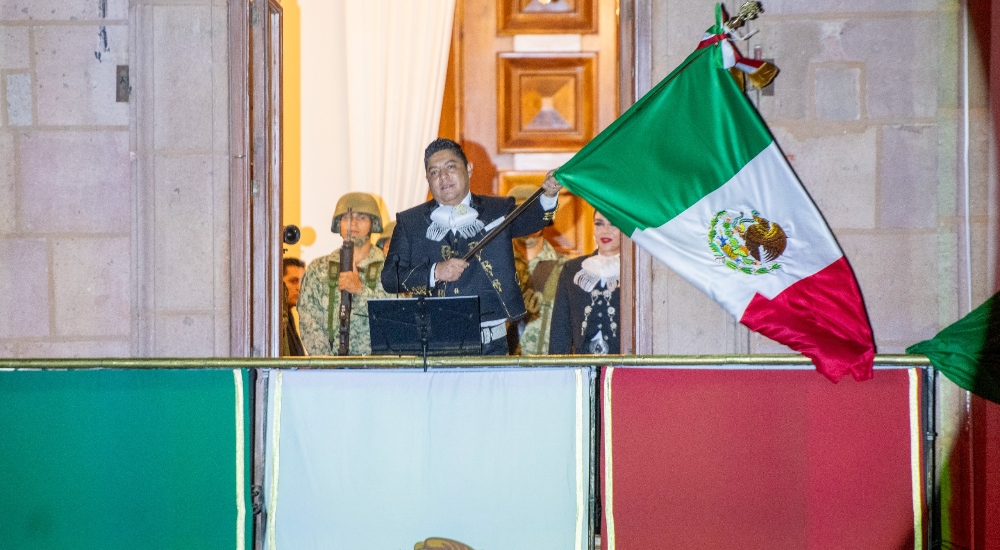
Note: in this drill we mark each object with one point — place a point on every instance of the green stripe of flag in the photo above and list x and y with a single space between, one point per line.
687 137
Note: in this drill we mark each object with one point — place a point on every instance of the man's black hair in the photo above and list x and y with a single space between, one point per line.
285 262
442 144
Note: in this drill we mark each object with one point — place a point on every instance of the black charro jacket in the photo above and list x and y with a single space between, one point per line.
491 275
568 335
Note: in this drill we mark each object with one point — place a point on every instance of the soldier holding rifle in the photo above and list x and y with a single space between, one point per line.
329 324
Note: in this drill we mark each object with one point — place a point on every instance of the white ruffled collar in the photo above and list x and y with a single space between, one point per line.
597 269
461 218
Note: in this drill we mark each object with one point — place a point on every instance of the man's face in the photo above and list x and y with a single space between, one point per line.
448 177
357 227
293 282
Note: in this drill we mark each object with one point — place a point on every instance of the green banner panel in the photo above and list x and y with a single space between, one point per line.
131 459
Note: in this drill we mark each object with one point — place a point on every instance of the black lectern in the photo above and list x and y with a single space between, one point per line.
425 326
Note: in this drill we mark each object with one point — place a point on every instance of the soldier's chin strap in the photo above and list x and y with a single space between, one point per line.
503 225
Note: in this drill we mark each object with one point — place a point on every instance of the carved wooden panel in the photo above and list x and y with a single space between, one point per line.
572 230
546 16
545 103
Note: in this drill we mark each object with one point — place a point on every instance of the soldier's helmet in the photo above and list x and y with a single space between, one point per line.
522 192
363 203
386 234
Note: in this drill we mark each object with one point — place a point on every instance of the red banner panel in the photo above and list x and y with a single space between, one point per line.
769 459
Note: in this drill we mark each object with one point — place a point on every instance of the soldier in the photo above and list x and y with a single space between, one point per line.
319 299
544 264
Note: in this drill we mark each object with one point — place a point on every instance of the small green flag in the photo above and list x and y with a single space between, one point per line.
968 351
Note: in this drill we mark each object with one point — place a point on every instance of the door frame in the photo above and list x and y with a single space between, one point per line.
255 203
635 68
255 186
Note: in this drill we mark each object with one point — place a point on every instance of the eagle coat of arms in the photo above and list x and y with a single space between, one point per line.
747 244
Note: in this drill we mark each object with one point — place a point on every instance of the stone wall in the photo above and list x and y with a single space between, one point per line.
113 215
65 186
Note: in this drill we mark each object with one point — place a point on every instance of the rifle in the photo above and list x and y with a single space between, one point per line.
344 313
503 225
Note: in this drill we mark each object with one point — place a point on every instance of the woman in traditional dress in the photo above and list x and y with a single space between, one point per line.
586 316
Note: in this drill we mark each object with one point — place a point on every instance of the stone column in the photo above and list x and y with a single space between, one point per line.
180 151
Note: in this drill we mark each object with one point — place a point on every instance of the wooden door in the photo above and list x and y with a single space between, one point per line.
529 83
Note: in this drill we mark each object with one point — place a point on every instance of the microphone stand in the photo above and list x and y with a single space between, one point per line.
395 267
423 327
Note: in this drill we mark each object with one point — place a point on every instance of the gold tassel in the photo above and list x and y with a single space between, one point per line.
738 76
763 76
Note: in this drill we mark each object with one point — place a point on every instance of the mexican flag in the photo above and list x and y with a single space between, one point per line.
692 174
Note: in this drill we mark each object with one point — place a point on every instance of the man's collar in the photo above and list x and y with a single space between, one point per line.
467 201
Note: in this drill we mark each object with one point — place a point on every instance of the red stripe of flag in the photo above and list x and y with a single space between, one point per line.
822 317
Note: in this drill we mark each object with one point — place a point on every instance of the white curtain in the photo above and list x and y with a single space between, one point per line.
397 59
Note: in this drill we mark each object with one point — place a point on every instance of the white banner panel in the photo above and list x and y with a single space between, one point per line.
493 459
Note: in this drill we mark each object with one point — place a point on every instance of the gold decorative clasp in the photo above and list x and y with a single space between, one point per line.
748 12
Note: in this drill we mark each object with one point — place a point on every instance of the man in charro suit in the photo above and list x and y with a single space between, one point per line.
425 255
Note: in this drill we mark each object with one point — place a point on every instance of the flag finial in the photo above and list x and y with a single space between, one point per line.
748 11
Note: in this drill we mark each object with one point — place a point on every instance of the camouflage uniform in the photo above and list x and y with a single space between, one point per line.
315 296
535 338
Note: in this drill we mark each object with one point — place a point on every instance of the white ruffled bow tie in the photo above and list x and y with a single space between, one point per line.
605 270
461 218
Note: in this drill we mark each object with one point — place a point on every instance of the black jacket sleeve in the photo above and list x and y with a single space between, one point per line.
402 272
533 220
